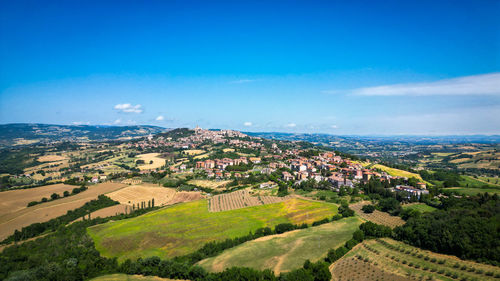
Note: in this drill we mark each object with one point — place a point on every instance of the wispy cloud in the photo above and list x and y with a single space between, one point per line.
291 125
128 108
160 118
117 121
247 124
484 84
81 123
241 81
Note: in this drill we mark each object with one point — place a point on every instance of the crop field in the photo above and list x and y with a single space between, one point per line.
51 158
16 200
240 199
183 228
471 182
287 251
396 172
422 207
110 211
22 217
473 191
135 194
124 277
377 216
213 184
157 161
394 257
193 151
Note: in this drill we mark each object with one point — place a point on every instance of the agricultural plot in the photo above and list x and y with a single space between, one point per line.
110 211
51 158
287 251
240 199
16 200
357 269
422 207
183 228
20 218
213 184
148 157
135 194
397 258
124 277
397 172
193 151
473 191
377 216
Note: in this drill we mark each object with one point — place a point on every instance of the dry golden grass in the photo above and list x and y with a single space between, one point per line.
23 216
136 194
194 151
51 158
110 211
148 157
213 184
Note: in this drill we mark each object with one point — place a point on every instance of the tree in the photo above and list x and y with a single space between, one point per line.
54 196
368 209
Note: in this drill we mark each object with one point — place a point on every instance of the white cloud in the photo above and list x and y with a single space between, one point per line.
128 108
484 84
334 127
117 121
291 125
160 118
81 123
247 124
241 81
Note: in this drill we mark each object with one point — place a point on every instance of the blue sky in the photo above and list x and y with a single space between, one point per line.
338 67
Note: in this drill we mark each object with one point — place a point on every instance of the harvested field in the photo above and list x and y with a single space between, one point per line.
194 151
11 221
110 211
183 228
287 251
240 199
394 257
377 216
125 277
15 200
157 161
213 184
136 194
185 196
50 158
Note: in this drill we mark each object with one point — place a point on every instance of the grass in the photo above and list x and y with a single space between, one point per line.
473 191
397 172
184 228
405 260
423 208
287 251
125 277
471 182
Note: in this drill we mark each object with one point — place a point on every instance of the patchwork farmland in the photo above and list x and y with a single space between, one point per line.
240 199
377 216
183 228
394 257
10 221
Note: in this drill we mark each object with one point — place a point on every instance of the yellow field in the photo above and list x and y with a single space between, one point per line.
228 150
213 184
136 194
396 172
51 158
124 277
157 161
194 151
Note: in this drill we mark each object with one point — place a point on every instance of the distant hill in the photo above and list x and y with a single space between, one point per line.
22 133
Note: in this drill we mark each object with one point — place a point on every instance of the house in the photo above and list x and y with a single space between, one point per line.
410 191
287 176
255 160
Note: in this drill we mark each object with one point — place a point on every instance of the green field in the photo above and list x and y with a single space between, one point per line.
183 228
473 191
471 182
419 207
287 251
124 277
